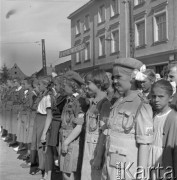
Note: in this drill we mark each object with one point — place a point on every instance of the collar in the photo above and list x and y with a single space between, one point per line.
76 94
34 93
128 98
25 91
18 89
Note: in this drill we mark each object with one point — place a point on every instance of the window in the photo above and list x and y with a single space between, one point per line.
78 57
102 45
138 2
115 41
101 14
114 7
160 27
87 23
140 38
15 72
78 27
87 51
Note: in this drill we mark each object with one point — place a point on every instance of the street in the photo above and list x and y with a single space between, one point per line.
10 168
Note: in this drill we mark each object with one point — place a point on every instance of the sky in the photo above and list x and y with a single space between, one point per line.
25 22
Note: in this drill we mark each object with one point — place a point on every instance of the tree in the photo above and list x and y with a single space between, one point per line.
4 74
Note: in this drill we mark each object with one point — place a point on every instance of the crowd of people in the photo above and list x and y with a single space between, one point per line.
103 126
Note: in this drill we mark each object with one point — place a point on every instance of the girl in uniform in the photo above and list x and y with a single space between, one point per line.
50 133
43 113
129 127
163 151
71 137
97 82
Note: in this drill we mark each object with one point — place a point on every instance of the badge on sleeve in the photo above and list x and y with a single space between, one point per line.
149 131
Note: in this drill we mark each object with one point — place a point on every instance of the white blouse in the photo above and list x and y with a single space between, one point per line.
44 104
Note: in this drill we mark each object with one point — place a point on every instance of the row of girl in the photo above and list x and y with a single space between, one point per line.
118 126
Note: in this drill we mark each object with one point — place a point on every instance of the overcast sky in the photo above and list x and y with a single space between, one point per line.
24 22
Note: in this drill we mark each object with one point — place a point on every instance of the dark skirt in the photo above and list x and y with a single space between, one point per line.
38 128
53 133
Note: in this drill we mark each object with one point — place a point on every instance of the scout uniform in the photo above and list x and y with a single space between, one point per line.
15 109
129 124
99 111
20 96
8 111
72 115
23 117
31 115
52 138
3 110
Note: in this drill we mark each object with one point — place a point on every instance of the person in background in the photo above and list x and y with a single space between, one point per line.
71 137
150 78
42 116
172 77
97 82
50 133
8 110
15 110
130 126
111 93
163 151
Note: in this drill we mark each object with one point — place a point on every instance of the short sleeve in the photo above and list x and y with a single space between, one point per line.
144 125
47 102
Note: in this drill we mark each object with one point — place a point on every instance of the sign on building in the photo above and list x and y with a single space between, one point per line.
71 50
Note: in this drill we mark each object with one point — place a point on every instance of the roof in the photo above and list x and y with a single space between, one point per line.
80 9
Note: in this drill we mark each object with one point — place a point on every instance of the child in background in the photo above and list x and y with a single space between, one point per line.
147 82
97 82
165 119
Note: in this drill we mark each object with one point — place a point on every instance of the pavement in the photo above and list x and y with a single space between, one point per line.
10 168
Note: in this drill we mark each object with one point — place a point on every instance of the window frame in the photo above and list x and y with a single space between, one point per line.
137 3
117 9
155 26
114 42
78 28
87 17
100 20
137 39
79 57
88 52
103 52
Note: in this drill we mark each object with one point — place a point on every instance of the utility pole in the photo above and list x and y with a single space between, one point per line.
131 29
44 57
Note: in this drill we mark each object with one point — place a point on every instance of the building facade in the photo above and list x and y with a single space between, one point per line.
109 28
155 24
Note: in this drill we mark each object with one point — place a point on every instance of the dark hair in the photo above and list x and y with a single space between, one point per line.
99 78
164 84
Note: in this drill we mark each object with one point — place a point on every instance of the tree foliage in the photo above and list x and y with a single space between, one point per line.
4 74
